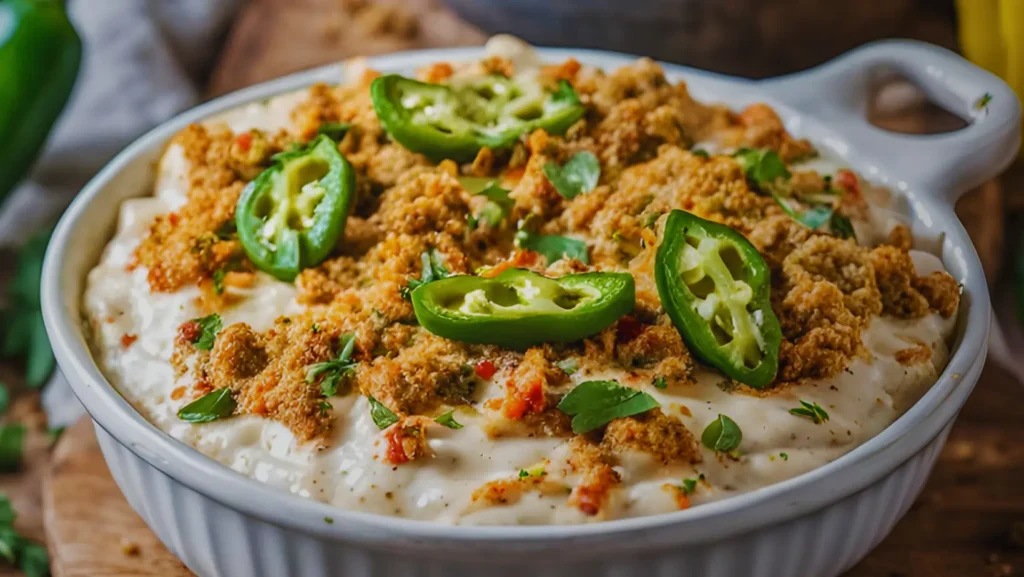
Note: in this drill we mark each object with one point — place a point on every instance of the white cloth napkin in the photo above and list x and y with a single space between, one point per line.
143 63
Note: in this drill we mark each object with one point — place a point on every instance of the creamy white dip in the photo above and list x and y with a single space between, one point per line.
861 401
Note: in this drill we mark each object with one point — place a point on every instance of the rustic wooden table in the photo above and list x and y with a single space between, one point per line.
969 521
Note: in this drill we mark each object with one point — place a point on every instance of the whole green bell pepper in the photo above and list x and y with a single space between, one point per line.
715 287
457 120
519 308
39 58
292 215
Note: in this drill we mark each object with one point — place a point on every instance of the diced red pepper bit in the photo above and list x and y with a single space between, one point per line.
485 369
628 329
848 180
521 401
395 451
244 141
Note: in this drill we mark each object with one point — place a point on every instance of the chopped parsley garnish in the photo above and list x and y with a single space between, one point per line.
785 456
552 246
334 370
763 167
578 175
722 435
329 520
700 152
593 404
432 270
689 485
659 383
813 218
218 280
982 103
325 407
448 420
568 366
382 416
209 326
493 212
841 226
335 130
209 407
12 440
812 411
537 471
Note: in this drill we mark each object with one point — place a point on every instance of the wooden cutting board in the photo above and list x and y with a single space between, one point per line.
969 521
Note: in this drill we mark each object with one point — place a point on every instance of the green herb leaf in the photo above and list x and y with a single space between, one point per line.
382 416
209 327
22 323
553 247
660 383
568 366
499 204
762 166
12 439
813 218
334 370
335 130
34 560
5 397
841 226
593 404
722 434
580 174
218 280
700 152
689 485
209 407
812 411
9 541
7 514
448 420
53 434
325 407
432 270
785 456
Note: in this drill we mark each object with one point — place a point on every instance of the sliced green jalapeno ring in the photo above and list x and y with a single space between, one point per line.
293 214
519 308
715 287
457 120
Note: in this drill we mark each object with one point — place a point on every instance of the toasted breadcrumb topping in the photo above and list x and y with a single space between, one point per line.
642 128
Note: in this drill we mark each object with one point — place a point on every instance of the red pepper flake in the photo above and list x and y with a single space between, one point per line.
485 370
173 218
128 340
628 329
244 141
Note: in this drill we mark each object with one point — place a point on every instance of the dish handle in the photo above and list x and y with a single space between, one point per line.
941 165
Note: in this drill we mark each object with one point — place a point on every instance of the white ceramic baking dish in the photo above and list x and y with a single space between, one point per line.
222 524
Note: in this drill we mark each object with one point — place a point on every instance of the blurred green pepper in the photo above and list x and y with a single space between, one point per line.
39 58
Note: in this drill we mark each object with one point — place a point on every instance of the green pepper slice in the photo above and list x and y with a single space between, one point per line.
457 120
519 308
292 215
715 287
40 55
